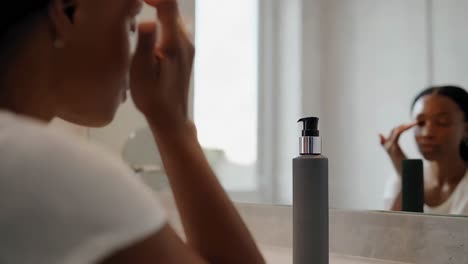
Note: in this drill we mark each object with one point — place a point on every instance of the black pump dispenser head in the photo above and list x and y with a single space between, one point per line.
310 143
310 126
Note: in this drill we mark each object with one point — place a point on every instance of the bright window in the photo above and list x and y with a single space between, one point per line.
226 86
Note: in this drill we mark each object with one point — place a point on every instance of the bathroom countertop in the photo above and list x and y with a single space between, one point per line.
356 237
278 255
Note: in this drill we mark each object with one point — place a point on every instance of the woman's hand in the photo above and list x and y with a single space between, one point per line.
392 146
161 69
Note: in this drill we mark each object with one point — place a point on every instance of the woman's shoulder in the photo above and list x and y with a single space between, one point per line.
36 153
40 146
16 131
460 197
83 199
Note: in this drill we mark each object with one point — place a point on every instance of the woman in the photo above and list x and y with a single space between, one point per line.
63 201
441 132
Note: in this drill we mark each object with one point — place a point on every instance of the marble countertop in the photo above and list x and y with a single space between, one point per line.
357 237
279 255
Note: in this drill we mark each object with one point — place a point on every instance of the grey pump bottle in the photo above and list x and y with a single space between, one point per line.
310 198
412 188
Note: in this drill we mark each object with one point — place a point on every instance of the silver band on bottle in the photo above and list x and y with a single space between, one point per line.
310 145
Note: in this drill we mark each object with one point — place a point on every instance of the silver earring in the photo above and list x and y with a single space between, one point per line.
59 44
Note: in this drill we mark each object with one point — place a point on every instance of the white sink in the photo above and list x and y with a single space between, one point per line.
278 255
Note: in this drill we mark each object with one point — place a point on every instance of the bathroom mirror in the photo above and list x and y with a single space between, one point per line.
262 64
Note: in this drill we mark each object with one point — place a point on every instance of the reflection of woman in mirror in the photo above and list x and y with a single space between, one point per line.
441 132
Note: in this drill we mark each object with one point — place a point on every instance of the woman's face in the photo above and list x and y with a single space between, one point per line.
92 69
441 127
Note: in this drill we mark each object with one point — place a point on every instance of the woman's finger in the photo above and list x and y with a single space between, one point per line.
396 133
169 17
406 127
382 139
145 53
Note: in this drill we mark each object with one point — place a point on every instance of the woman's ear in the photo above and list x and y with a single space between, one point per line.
61 14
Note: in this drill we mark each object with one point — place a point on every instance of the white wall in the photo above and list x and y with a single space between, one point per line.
450 38
372 61
288 93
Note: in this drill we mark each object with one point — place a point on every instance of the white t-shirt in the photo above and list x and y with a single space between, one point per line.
456 204
65 201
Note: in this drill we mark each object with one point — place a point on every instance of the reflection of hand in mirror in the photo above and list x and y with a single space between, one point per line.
441 134
392 146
